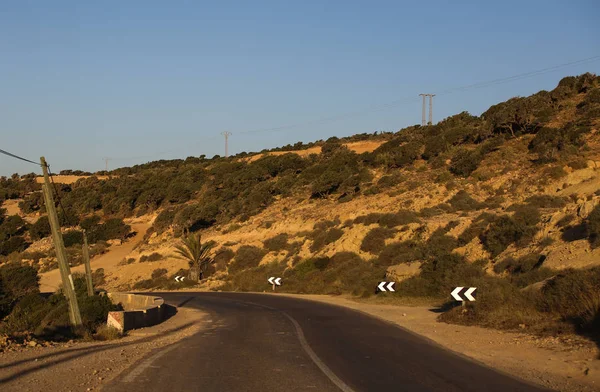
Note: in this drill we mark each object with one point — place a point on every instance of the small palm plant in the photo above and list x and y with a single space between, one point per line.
197 254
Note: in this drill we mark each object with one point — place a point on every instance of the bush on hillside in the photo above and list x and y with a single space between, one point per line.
222 257
374 241
73 237
551 144
546 201
13 244
505 230
519 266
277 243
462 201
593 227
321 238
16 282
151 257
389 220
464 162
575 295
246 257
401 252
40 229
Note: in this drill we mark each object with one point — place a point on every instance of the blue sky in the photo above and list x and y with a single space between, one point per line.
143 80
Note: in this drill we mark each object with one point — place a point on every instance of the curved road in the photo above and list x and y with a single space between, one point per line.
261 342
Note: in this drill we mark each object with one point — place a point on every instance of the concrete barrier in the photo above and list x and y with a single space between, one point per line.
139 311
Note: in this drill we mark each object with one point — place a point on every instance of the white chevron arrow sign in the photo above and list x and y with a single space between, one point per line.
179 278
386 286
274 281
468 294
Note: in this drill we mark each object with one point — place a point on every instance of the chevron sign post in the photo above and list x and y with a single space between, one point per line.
468 294
274 281
386 286
179 278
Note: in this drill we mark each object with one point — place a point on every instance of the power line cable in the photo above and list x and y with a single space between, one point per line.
18 157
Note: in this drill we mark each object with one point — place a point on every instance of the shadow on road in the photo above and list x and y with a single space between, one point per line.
78 353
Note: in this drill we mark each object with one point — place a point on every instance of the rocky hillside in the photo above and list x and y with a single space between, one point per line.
508 200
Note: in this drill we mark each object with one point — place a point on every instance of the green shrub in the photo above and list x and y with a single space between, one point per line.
164 220
401 252
593 227
465 162
222 257
402 217
390 180
159 272
374 241
321 238
26 315
521 265
40 229
575 295
246 257
13 244
98 277
151 257
277 243
16 282
546 201
551 144
439 276
462 201
507 230
73 237
88 223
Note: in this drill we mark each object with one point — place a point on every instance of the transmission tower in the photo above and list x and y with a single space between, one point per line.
106 163
430 109
226 134
423 112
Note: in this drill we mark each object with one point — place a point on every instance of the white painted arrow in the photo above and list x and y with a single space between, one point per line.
278 281
381 286
271 279
390 286
455 293
179 278
468 293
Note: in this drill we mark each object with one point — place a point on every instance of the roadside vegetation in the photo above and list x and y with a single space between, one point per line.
27 315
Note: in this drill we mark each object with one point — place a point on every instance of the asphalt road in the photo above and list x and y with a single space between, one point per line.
262 342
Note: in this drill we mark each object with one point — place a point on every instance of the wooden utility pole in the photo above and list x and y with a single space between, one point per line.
88 267
61 252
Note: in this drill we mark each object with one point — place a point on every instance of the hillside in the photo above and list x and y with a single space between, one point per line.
508 201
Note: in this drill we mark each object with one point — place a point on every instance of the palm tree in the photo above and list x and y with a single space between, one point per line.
196 253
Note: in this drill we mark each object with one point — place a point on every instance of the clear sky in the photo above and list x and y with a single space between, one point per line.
144 80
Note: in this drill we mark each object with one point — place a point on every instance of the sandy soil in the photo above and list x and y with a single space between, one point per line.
565 366
88 366
67 179
357 147
12 207
50 280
